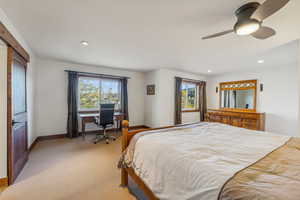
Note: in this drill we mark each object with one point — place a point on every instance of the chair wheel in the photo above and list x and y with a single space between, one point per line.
107 142
114 139
95 142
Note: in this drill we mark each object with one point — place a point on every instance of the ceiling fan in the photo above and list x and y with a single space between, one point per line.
250 18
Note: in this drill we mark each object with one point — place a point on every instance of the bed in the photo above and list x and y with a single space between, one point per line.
211 161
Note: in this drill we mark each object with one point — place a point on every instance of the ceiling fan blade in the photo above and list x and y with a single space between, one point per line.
264 33
268 8
217 34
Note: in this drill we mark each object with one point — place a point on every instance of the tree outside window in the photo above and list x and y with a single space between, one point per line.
189 96
95 91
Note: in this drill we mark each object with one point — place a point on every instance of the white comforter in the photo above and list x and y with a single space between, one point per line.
194 162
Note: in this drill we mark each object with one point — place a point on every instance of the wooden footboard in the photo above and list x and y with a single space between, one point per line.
127 135
126 138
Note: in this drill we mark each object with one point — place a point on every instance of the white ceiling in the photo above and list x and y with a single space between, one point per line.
149 34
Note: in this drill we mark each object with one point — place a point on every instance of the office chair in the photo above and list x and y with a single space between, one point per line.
105 119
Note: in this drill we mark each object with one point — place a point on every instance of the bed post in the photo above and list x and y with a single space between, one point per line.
124 174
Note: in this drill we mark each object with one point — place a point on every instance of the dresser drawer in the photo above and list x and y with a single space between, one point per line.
250 124
253 121
236 122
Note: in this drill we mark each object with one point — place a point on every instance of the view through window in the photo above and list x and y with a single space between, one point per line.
190 94
96 91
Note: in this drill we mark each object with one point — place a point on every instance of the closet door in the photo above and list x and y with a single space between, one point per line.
17 115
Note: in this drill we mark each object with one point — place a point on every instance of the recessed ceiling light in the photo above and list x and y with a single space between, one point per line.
84 43
260 61
209 71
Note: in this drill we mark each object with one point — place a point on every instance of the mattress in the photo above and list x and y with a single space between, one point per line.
210 161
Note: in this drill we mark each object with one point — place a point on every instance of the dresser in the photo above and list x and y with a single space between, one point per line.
249 120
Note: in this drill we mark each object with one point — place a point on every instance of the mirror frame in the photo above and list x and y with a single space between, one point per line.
231 86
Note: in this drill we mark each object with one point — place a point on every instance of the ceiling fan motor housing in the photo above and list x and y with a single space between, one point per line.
245 25
246 11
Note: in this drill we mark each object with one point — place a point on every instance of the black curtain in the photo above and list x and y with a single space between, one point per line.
202 100
178 83
72 126
124 98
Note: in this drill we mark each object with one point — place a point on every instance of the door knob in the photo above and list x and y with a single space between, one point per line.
14 122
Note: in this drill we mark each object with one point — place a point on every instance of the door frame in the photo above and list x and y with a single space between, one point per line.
9 116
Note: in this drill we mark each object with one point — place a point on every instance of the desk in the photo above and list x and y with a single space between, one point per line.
89 118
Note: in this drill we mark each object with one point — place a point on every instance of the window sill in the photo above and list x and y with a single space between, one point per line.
87 111
187 111
92 111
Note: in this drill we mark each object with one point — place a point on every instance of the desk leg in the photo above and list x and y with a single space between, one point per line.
121 119
119 125
83 128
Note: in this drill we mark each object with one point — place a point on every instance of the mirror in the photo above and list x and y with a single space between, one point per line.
238 95
240 99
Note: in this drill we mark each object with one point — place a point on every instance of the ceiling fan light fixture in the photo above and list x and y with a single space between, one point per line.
261 61
247 27
84 43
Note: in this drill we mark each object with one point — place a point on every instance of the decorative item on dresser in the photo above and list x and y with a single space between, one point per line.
249 120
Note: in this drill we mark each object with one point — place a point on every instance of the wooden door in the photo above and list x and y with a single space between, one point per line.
17 115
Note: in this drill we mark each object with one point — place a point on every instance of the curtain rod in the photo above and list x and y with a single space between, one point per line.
101 75
187 79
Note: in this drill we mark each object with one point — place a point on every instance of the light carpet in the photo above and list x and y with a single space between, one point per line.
2 189
65 169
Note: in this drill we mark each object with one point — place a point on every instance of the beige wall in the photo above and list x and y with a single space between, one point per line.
153 111
160 108
51 94
279 100
151 101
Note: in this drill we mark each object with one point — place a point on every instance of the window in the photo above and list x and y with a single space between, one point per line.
96 91
189 96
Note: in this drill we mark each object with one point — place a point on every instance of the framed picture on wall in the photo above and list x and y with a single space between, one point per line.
150 89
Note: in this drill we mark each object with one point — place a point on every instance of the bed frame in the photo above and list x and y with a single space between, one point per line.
126 137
